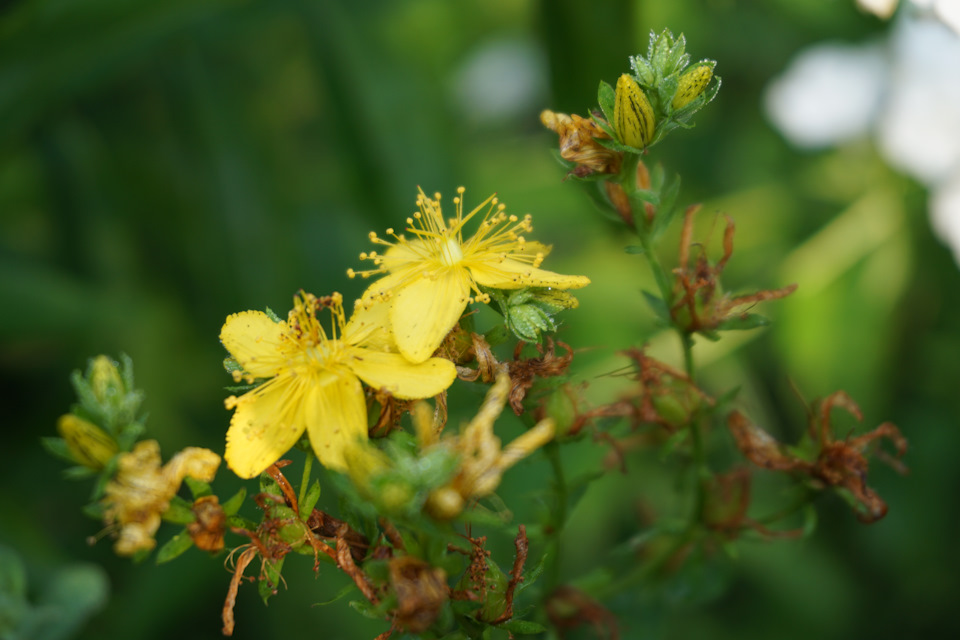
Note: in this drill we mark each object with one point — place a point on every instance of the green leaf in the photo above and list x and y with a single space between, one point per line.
198 488
523 627
273 316
743 322
231 506
174 547
658 306
633 249
179 512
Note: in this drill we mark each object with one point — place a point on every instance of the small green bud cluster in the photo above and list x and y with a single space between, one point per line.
662 93
531 311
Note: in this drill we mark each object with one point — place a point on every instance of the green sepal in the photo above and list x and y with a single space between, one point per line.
743 322
231 364
271 578
232 506
533 575
93 510
79 473
340 595
198 488
522 627
174 547
658 306
667 210
643 71
57 447
309 501
240 522
606 97
179 512
273 316
672 444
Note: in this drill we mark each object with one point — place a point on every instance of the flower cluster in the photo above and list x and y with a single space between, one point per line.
310 381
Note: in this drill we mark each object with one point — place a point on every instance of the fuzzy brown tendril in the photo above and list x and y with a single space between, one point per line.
839 463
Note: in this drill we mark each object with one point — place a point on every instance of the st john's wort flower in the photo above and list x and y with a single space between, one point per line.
431 277
314 382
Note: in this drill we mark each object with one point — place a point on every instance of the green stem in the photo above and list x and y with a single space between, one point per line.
552 451
305 479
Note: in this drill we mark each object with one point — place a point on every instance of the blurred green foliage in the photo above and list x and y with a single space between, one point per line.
165 164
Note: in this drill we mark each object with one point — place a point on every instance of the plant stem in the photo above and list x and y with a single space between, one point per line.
552 451
305 479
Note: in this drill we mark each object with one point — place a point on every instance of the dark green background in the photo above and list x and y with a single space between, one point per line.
164 164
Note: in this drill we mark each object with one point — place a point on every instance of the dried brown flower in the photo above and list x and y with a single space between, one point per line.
207 529
837 463
578 143
421 592
699 303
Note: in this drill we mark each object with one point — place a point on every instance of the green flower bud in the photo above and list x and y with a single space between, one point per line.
693 82
105 380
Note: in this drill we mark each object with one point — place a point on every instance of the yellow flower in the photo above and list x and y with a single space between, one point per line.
430 277
142 489
314 382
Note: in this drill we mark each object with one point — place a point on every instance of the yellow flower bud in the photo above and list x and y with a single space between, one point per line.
89 445
105 379
692 83
633 117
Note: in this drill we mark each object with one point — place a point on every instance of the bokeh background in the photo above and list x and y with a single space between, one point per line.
165 164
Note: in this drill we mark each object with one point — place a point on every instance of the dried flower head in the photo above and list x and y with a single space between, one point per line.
141 491
578 143
835 463
482 459
699 302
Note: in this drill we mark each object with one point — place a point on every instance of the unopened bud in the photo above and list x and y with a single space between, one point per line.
633 117
88 444
692 83
105 380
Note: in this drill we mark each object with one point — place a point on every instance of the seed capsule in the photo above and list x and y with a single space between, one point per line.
633 117
692 84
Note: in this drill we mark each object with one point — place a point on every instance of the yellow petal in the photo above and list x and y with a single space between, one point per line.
512 274
384 286
255 341
369 326
267 422
399 376
424 311
336 419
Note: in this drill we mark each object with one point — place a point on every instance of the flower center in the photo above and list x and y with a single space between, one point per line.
450 251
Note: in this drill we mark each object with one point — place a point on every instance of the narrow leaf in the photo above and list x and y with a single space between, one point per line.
174 547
